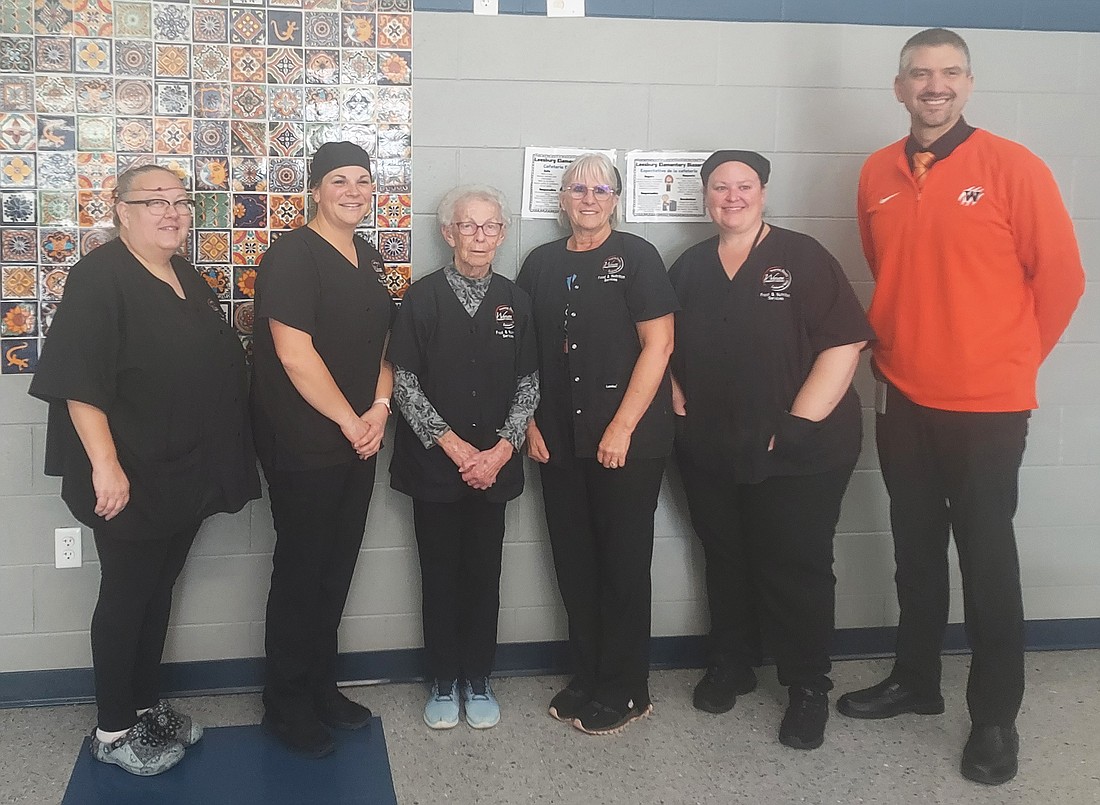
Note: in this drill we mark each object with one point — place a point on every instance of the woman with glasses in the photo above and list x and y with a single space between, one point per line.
148 429
466 380
321 398
767 341
603 309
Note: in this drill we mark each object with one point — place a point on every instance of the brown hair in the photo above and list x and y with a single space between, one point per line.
126 181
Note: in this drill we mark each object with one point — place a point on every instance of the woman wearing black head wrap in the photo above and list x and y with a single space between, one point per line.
767 340
321 400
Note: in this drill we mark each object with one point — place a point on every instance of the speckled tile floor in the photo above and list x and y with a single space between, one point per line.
678 756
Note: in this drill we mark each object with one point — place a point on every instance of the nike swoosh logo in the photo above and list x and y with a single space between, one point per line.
884 199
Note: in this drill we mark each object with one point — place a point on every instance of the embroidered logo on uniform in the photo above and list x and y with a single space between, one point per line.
776 281
506 321
377 266
971 196
612 268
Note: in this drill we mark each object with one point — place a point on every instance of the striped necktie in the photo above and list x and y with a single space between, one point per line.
922 161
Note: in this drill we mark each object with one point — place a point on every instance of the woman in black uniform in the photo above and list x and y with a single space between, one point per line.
767 341
148 429
320 403
466 380
603 317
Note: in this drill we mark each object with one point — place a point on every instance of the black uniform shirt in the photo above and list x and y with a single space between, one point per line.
170 375
745 346
306 283
468 367
586 307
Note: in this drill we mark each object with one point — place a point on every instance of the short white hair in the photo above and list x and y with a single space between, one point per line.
459 196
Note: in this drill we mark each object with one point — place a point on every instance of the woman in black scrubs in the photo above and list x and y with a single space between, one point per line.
603 317
466 380
767 341
320 396
148 429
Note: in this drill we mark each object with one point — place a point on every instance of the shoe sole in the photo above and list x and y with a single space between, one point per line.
977 776
795 743
567 719
137 772
441 725
482 725
617 729
929 709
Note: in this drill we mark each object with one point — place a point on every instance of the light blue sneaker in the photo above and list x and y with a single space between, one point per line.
482 708
441 711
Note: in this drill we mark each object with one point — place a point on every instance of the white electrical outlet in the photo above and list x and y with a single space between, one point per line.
486 6
67 547
564 8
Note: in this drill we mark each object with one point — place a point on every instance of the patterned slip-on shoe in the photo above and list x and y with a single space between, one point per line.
139 751
169 723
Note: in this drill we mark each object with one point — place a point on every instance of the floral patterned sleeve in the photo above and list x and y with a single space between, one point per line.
524 403
418 411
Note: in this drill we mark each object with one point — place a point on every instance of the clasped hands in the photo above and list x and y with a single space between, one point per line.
478 468
365 432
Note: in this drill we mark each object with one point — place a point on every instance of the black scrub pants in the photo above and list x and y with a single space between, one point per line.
460 547
769 567
320 516
956 472
601 532
130 621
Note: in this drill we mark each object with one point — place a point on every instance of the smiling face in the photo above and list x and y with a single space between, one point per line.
343 197
150 235
589 215
934 85
735 198
474 252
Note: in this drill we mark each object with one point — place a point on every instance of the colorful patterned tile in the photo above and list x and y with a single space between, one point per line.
133 20
90 240
16 170
179 165
284 103
51 17
212 137
16 54
17 207
244 315
171 22
19 282
93 55
17 132
394 210
397 277
19 319
211 62
249 101
358 30
93 18
18 17
95 96
57 207
173 99
52 281
134 134
247 64
394 142
249 246
210 24
249 210
247 26
285 139
284 28
212 246
173 61
395 67
16 93
394 105
286 211
359 5
95 133
362 134
211 99
247 138
53 54
403 6
322 103
55 94
134 97
321 5
172 135
322 66
211 173
358 66
393 175
58 246
94 207
284 66
218 277
127 161
46 313
357 104
212 210
56 133
394 245
19 356
248 174
395 31
56 170
18 245
322 30
95 170
287 175
134 57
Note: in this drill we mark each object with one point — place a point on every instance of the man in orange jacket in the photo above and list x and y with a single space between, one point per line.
977 273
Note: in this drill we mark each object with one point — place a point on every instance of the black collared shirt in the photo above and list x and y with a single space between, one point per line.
942 147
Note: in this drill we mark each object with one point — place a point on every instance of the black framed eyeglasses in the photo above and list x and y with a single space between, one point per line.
159 206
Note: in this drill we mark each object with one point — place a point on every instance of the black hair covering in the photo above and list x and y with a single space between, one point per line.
331 156
754 160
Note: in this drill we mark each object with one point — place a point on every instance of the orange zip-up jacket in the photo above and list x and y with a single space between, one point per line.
976 275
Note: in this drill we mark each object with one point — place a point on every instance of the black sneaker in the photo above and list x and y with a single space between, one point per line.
567 704
803 725
304 735
599 719
717 692
339 712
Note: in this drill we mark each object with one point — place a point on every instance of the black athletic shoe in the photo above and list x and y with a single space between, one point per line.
303 735
717 692
339 712
567 703
803 725
599 719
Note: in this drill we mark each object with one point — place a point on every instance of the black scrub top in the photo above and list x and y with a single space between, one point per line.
468 368
586 306
745 346
170 375
306 283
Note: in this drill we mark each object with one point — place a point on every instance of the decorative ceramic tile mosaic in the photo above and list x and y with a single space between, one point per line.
232 95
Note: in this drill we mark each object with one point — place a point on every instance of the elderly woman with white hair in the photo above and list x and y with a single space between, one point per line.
466 382
603 309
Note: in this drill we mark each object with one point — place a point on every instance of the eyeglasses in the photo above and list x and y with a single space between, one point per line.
579 191
490 228
159 206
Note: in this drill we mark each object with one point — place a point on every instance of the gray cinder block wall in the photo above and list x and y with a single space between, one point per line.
816 99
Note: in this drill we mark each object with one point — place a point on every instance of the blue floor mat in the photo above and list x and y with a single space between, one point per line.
246 766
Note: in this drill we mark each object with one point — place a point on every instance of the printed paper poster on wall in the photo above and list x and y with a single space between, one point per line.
664 186
542 172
